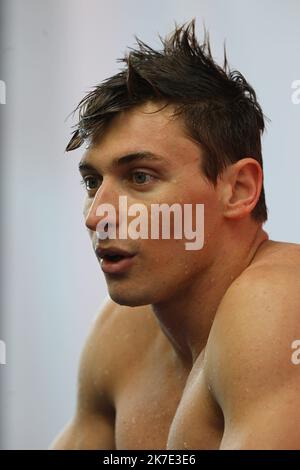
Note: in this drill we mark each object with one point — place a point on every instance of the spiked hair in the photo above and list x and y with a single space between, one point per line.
217 105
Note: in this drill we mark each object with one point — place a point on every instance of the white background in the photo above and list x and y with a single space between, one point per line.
51 54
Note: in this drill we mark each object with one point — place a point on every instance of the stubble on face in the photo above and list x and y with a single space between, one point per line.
162 267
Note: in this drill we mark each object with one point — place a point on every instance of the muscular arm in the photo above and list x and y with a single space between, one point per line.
93 424
249 354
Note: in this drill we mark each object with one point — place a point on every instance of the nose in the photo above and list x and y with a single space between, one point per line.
107 197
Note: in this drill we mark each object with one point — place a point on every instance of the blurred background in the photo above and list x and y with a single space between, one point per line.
51 54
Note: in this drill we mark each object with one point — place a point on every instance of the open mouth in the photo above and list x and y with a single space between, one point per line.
114 258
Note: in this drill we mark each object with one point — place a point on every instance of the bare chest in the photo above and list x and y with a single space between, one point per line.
164 408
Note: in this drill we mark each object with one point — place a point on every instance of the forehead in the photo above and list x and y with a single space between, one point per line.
149 127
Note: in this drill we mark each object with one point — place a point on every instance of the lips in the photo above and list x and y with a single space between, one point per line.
114 259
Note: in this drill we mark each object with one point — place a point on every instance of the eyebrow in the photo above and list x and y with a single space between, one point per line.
125 160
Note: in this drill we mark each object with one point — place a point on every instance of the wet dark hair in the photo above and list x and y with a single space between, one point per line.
217 105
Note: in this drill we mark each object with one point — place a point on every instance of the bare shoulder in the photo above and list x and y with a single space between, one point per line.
256 324
118 337
276 254
250 356
115 339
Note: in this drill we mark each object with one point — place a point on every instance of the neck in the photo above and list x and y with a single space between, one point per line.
186 318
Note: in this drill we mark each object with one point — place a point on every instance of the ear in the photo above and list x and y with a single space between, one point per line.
241 187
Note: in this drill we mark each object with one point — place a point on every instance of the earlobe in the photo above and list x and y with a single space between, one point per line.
242 187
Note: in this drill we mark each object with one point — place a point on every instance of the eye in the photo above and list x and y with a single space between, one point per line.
90 182
140 177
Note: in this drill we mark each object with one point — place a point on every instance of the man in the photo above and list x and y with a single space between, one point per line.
194 348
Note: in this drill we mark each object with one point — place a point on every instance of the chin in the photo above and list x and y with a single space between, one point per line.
130 299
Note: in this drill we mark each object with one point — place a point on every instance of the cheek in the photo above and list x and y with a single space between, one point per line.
209 214
165 255
209 198
168 267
